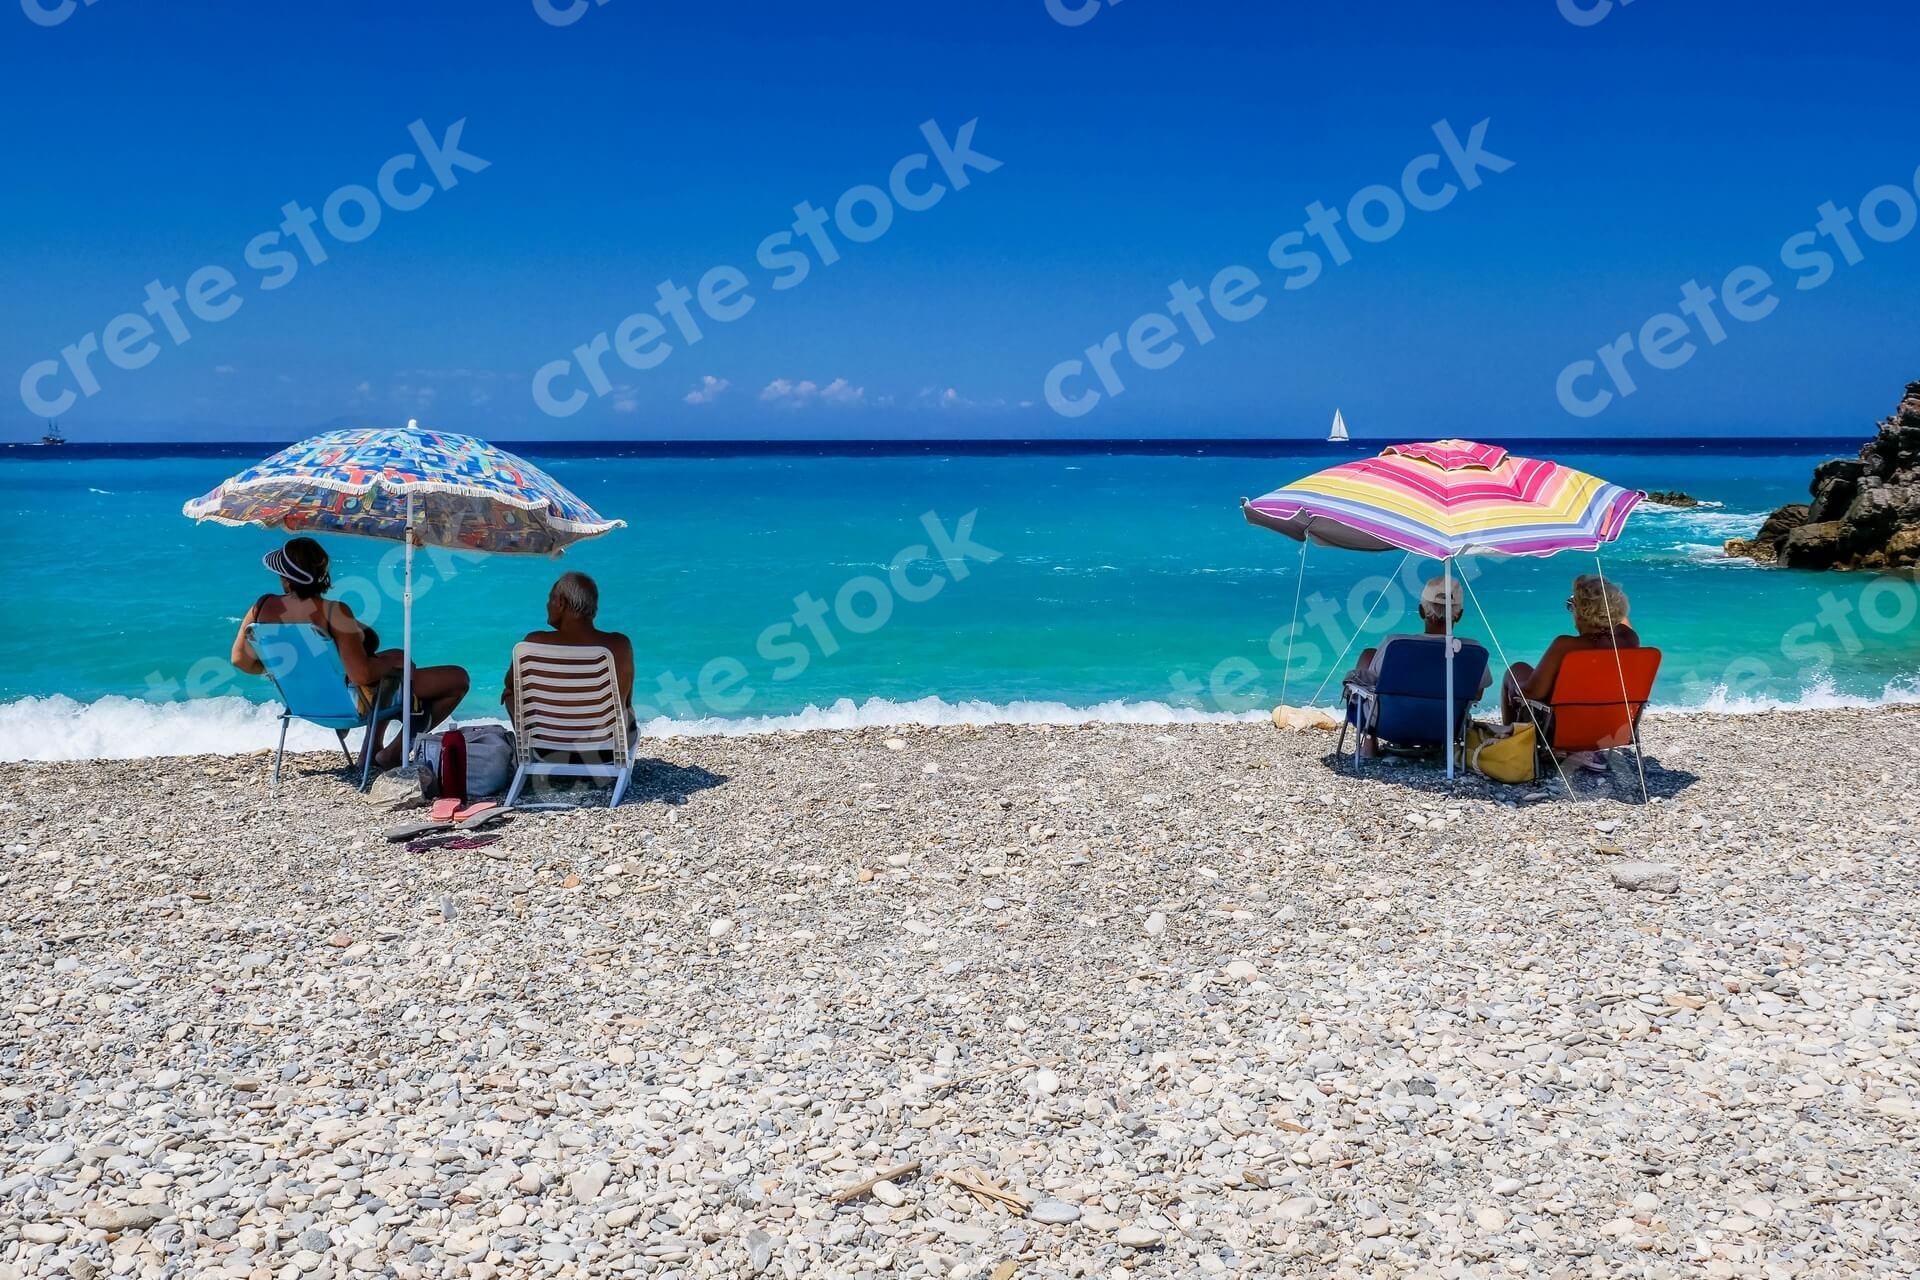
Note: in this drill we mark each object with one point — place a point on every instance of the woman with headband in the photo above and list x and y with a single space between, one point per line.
305 579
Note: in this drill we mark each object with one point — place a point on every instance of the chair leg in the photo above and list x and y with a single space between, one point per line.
620 787
519 780
366 753
341 734
279 754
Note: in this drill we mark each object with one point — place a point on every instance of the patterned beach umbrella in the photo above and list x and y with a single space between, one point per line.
446 490
456 491
1446 498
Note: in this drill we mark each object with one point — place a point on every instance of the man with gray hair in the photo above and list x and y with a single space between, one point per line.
1433 621
572 606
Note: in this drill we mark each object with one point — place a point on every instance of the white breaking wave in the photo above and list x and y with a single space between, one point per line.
117 728
1821 695
884 713
1702 523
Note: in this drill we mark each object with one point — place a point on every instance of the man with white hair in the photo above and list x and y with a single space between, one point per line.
572 606
1433 620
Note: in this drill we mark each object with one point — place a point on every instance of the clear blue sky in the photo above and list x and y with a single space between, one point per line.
1161 140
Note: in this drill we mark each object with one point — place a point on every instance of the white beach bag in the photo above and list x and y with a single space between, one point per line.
490 760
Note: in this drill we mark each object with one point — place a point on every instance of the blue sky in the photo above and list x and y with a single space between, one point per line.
1157 141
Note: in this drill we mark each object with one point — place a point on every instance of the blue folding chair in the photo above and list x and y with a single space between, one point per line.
1406 706
304 664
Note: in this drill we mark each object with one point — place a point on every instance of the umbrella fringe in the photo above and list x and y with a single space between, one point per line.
202 508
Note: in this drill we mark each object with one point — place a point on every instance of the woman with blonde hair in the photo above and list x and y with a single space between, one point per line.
1599 609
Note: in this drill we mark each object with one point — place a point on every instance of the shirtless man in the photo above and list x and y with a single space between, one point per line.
572 606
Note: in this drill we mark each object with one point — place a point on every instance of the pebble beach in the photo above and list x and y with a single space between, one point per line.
977 1003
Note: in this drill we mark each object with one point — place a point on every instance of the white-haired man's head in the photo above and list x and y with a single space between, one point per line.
575 594
1433 602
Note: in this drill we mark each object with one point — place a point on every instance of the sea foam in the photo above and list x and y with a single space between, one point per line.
117 728
1821 695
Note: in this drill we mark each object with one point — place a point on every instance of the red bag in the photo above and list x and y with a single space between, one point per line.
453 765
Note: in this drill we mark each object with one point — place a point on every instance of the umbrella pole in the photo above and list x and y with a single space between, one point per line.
406 649
1447 568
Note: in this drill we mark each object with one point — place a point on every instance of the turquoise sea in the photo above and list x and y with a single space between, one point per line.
1125 586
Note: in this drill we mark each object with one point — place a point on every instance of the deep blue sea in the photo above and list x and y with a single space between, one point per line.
1115 582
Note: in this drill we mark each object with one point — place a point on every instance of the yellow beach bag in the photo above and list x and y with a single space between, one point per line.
1504 753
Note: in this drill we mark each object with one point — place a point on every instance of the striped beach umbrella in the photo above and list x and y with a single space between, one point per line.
1446 498
424 488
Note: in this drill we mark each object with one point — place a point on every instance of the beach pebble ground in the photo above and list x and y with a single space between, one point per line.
1108 1001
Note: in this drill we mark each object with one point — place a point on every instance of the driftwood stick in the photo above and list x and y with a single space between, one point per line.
982 1188
861 1188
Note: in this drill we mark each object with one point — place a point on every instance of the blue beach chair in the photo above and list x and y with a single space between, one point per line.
304 664
1406 706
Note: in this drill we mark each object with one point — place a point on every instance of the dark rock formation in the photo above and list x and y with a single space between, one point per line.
1865 512
1671 498
1765 545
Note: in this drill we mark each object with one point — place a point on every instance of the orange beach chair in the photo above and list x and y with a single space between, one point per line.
1597 699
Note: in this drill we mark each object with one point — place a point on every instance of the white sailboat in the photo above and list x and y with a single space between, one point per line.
1339 431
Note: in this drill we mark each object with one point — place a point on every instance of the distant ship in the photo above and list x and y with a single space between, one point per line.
1339 431
53 436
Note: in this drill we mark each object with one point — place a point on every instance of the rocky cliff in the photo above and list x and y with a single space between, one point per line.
1865 512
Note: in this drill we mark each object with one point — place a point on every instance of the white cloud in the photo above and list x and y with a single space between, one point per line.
364 389
792 394
709 390
943 398
625 399
224 368
842 392
795 395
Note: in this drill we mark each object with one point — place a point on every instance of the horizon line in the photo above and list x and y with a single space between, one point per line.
982 445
